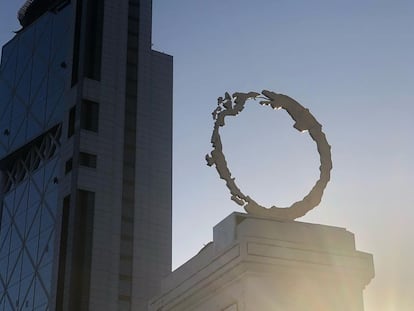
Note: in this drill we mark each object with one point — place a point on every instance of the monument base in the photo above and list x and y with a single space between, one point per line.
257 264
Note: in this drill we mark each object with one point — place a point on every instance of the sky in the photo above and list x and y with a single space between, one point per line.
351 63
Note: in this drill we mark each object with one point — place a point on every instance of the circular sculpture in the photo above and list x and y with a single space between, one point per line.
304 121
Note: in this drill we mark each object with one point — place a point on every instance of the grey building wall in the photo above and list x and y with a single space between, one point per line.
112 193
152 249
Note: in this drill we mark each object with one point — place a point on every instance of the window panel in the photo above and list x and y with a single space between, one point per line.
90 115
62 253
87 159
27 267
76 43
40 298
46 274
31 66
68 166
14 292
81 268
25 285
3 268
71 122
93 40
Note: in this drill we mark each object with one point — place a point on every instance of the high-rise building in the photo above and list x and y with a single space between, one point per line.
85 158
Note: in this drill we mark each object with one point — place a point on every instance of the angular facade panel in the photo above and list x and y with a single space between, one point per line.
28 227
85 158
33 79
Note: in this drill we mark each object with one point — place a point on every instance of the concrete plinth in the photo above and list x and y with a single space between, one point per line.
257 264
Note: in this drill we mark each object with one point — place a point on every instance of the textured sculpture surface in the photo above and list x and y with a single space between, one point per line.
304 121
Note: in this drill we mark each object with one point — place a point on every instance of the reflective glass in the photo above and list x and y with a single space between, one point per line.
8 67
18 130
33 81
40 298
33 84
14 292
27 267
35 191
24 287
32 245
27 240
23 56
7 51
43 34
15 241
3 271
39 91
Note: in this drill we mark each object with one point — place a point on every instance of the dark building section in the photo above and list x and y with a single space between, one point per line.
85 158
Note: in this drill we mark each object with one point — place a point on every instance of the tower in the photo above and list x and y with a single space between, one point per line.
85 158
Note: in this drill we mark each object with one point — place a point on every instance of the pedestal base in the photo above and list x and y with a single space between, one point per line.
257 264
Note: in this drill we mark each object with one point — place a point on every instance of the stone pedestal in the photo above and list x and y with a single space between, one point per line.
257 264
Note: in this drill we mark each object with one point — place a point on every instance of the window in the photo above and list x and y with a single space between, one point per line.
68 166
93 40
90 115
71 123
62 253
87 159
76 43
82 250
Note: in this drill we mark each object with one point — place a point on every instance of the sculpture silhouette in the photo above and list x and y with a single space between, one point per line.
304 121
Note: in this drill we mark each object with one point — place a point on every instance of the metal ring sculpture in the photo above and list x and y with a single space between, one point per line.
304 121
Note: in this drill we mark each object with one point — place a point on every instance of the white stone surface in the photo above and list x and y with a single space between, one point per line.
259 264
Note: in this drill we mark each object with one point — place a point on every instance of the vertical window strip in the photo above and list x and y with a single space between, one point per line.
90 115
62 254
93 39
130 126
76 42
71 121
82 251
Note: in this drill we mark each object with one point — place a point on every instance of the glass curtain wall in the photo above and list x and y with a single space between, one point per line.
33 84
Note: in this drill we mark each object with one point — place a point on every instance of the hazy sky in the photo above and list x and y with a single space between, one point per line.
351 63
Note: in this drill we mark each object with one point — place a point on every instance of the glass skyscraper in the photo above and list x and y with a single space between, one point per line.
85 158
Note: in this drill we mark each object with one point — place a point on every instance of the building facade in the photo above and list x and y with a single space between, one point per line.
85 158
